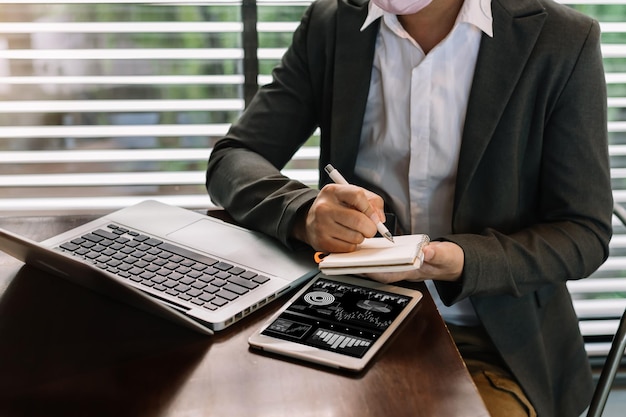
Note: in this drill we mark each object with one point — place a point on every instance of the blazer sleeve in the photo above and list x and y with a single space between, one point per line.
243 173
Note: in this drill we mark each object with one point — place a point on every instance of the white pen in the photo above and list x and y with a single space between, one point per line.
339 179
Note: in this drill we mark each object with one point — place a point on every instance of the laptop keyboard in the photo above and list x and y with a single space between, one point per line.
167 268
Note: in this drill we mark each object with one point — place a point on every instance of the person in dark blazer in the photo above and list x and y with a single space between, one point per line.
531 203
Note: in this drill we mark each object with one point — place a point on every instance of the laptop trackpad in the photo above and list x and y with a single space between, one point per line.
231 243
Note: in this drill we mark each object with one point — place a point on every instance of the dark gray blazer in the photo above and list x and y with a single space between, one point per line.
533 194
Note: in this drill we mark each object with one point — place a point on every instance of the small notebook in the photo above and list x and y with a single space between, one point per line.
378 255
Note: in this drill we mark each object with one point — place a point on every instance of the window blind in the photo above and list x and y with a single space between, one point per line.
106 104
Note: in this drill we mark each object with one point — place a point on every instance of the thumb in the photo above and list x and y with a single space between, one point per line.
429 252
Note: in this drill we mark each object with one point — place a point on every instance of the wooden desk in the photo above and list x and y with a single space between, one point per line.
65 350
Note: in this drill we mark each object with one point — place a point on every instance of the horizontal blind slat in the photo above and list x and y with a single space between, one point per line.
150 80
120 27
119 155
134 105
306 176
99 131
150 27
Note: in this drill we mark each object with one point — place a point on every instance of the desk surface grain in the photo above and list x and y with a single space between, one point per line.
65 350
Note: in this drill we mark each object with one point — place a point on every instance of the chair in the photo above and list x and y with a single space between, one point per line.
614 358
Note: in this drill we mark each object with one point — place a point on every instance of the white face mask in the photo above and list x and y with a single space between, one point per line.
402 7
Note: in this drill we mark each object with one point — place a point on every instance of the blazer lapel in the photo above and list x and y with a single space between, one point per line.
501 60
354 54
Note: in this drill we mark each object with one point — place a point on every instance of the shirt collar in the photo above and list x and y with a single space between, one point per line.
475 12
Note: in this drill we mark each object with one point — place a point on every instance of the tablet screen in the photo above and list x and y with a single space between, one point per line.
338 317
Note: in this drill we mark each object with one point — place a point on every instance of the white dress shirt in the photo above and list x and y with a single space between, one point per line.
414 120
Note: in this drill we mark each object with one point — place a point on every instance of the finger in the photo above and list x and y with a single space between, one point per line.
391 277
363 201
358 198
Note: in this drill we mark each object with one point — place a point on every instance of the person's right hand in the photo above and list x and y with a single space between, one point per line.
340 218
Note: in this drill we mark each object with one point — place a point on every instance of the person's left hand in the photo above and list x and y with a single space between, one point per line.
442 261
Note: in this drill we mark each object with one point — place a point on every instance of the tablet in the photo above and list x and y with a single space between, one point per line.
339 321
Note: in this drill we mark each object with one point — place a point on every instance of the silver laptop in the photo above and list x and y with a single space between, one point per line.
193 269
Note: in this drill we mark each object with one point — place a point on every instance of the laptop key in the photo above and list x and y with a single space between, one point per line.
187 280
222 275
140 238
206 297
81 251
103 259
88 244
165 254
206 278
92 237
237 289
69 246
182 288
183 269
124 266
243 282
248 274
194 292
188 254
142 264
149 258
198 266
164 272
236 270
154 251
119 256
135 271
175 276
261 279
105 234
177 259
98 248
170 284
223 266
219 302
199 285
211 289
184 296
133 243
147 275
114 262
194 274
92 255
218 282
228 295
158 279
